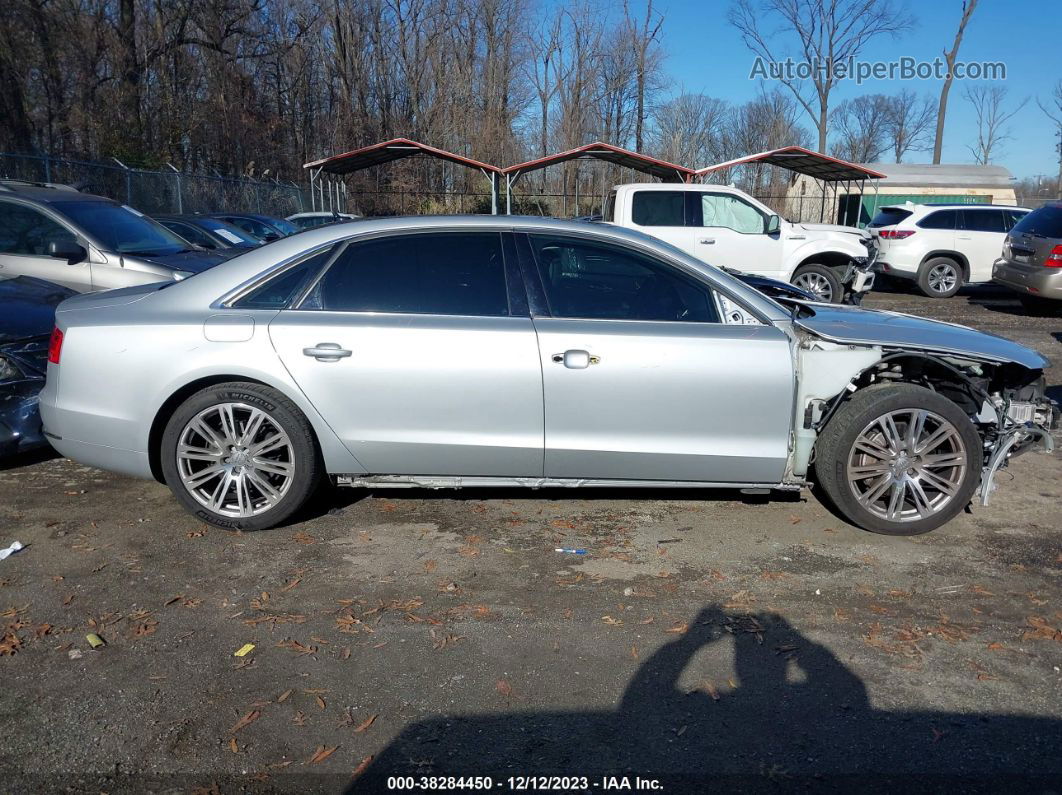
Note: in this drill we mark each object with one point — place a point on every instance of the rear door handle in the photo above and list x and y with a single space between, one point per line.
326 352
707 240
575 359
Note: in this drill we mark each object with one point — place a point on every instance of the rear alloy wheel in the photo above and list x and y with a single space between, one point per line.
899 459
240 456
820 281
940 277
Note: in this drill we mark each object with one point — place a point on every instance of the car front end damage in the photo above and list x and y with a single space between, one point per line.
1004 397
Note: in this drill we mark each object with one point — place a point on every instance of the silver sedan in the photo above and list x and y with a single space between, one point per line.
479 351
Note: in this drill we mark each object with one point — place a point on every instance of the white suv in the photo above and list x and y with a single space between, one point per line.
942 246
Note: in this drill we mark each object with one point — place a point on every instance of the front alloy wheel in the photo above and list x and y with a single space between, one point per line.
240 455
940 277
899 459
820 281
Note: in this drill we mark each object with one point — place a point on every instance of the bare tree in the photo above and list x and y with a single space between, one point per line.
908 123
950 56
644 35
689 129
1053 110
861 126
825 33
992 118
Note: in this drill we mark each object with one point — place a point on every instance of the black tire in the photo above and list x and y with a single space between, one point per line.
815 274
835 448
937 269
1040 307
299 449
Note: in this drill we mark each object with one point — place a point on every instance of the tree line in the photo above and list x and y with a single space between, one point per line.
258 87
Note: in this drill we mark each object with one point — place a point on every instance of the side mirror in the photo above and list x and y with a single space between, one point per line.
772 225
269 237
68 250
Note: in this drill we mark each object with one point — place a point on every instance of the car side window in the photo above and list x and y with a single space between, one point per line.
941 219
190 233
658 208
278 291
24 230
444 273
984 221
600 282
1013 216
731 212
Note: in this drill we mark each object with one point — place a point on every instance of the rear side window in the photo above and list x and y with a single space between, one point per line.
190 233
889 216
941 219
658 208
278 292
448 273
984 221
1013 216
1043 222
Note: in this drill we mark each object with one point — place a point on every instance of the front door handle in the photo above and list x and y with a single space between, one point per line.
575 359
707 240
326 352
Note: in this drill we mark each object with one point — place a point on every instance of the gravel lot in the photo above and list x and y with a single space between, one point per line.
704 639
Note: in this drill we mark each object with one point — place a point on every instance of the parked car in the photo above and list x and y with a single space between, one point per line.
209 233
312 219
264 227
87 242
1032 260
485 351
942 246
725 227
27 316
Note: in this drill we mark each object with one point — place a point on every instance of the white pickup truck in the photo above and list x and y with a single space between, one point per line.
726 227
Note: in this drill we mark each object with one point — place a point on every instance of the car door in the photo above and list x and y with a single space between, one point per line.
642 381
979 239
418 350
25 234
730 232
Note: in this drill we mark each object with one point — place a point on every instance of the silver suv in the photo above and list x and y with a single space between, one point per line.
1032 260
86 242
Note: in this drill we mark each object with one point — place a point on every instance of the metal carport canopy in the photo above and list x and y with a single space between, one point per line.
802 161
398 149
599 150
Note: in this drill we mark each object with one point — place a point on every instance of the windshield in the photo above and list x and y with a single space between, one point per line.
286 227
121 229
1044 222
230 232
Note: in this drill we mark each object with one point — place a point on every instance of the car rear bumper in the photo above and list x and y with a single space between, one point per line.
892 270
127 462
1037 280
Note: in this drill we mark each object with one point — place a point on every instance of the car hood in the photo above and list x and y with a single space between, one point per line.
895 330
848 230
28 307
191 261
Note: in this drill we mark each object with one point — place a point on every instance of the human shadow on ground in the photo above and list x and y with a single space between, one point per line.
793 717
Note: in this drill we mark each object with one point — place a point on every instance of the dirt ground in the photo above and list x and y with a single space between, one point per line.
703 640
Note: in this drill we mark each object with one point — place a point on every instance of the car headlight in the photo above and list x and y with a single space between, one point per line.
179 275
9 371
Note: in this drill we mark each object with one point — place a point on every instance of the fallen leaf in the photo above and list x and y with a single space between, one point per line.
320 701
233 746
284 696
429 567
299 719
634 652
291 584
321 754
365 724
302 537
504 688
678 628
296 647
612 621
997 646
364 763
246 720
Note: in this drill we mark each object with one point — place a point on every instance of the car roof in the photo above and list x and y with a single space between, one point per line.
927 206
46 192
257 216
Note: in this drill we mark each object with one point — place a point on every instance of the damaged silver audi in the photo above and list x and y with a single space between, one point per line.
502 351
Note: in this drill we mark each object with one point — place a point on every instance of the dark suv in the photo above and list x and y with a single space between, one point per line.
86 242
1032 260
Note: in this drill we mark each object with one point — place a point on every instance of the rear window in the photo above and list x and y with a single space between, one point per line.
658 208
1044 222
888 216
941 219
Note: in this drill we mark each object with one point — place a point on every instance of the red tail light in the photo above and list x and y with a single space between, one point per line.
896 234
1054 259
55 347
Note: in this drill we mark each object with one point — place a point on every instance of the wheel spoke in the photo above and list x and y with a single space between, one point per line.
919 498
208 433
935 439
869 470
228 423
190 453
939 483
942 460
263 486
915 426
268 445
896 495
892 434
874 492
204 476
217 497
272 466
254 422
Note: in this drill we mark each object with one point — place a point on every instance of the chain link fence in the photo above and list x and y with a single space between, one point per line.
165 191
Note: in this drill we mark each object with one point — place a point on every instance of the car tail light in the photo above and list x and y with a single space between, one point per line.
55 347
1054 259
896 234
